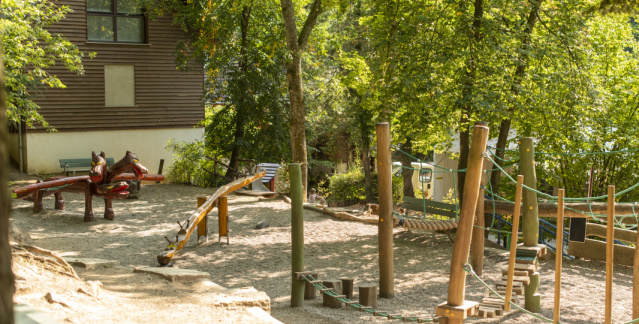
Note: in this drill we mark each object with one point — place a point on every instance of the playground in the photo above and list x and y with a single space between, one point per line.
260 258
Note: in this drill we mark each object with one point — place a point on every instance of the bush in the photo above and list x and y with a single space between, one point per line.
350 186
188 164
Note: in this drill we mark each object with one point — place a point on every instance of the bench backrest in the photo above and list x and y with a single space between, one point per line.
430 206
79 163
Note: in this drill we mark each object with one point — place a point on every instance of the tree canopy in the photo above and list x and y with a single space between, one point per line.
29 48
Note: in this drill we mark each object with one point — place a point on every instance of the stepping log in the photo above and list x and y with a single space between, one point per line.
330 301
368 295
523 279
347 287
309 289
530 268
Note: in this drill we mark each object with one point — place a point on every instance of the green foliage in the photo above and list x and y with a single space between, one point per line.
28 50
188 164
349 186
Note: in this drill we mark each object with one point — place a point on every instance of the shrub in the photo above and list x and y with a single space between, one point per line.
349 186
189 163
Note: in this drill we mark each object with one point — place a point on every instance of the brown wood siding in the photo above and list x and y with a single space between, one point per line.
165 97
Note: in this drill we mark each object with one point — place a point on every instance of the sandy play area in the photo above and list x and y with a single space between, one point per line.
260 258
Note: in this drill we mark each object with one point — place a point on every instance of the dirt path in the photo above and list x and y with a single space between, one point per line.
261 259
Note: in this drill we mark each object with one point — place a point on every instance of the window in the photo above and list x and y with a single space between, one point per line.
115 21
119 85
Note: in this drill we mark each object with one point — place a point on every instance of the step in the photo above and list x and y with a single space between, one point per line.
530 268
519 273
525 259
524 279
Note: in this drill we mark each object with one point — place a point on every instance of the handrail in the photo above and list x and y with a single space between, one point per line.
167 255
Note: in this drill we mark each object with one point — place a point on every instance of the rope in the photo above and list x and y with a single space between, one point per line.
550 197
570 154
363 308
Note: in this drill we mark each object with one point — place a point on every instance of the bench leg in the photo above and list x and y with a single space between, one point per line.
108 209
37 201
88 203
59 202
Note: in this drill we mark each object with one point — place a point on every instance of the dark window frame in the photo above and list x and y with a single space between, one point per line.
114 15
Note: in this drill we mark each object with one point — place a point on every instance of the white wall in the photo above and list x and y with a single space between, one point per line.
45 149
443 180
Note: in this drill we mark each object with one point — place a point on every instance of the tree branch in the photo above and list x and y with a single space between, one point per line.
288 15
316 9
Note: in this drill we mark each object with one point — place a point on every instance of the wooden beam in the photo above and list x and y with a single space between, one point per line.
477 244
166 256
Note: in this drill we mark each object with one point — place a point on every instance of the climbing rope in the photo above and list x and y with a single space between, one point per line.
570 154
362 308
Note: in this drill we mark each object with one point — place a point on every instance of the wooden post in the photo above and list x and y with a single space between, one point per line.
530 220
202 225
385 227
368 295
347 287
461 248
560 255
160 169
297 233
514 236
309 289
530 216
610 245
330 301
223 214
635 282
477 245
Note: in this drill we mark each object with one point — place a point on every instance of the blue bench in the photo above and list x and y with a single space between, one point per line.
79 165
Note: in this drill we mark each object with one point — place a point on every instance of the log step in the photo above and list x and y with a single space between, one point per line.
487 312
524 279
502 290
530 268
525 259
518 273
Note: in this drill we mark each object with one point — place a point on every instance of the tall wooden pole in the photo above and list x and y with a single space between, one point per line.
610 245
461 248
297 233
560 253
385 227
635 282
477 244
530 217
514 237
6 274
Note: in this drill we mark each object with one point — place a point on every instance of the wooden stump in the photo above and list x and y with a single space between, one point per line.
309 289
329 301
368 295
347 287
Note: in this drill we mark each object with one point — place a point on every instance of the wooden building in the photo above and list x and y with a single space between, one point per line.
131 97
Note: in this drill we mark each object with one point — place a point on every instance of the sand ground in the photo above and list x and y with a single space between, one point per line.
261 259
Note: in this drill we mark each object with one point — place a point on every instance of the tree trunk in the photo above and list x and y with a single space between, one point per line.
241 107
295 44
6 275
407 172
366 143
521 63
467 106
